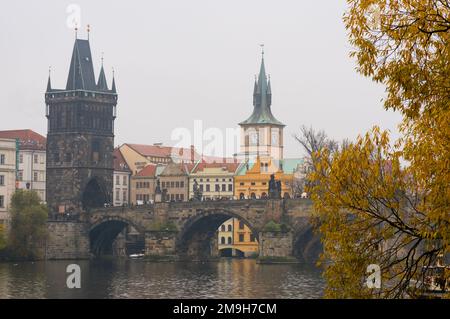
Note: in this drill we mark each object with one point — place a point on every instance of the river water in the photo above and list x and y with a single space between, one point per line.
123 278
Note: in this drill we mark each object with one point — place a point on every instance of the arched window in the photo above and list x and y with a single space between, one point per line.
230 228
241 196
264 195
253 196
222 228
222 240
230 241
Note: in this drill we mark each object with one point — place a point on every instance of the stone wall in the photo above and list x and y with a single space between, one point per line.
67 240
160 243
275 244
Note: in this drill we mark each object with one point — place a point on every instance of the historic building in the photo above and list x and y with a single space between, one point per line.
174 181
215 180
252 179
80 139
31 159
236 239
138 156
262 133
122 173
8 166
143 184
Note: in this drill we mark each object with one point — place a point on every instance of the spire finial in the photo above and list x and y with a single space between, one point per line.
49 70
76 30
103 53
88 27
262 49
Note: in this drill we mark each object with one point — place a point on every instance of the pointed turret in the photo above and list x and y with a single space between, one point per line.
113 86
262 100
49 84
102 85
81 72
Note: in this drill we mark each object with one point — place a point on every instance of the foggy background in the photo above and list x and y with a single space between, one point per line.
180 61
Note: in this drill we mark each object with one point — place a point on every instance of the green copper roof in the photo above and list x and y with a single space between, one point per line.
262 100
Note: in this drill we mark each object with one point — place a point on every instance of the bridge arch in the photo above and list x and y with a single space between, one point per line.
306 244
198 236
104 231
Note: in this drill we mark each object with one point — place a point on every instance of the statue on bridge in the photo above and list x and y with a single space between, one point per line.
274 188
198 194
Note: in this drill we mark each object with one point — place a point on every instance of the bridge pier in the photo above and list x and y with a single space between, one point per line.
160 244
67 240
275 247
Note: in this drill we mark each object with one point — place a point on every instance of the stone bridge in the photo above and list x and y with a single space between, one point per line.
188 230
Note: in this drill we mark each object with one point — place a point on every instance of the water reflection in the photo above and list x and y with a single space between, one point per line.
228 278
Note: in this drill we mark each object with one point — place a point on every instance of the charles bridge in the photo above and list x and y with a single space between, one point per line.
188 230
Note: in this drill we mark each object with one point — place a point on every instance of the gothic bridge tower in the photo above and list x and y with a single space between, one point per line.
80 138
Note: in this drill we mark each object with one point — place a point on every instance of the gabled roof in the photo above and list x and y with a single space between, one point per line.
148 171
229 167
163 151
29 140
119 161
177 169
81 72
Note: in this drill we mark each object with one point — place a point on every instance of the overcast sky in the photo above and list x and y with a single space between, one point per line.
180 61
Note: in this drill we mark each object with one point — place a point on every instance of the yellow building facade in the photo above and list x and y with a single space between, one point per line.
237 240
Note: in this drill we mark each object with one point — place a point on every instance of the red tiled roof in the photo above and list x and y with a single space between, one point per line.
119 162
29 140
230 167
148 171
163 151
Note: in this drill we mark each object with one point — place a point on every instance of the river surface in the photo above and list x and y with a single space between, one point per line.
122 278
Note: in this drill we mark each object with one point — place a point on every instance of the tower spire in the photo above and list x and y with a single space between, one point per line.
49 83
113 87
102 84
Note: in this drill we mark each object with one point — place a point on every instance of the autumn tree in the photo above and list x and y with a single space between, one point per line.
381 203
2 237
28 224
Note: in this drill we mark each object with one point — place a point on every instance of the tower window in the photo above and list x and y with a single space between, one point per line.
68 157
95 151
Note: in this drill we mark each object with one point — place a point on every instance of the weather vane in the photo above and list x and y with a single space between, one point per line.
88 27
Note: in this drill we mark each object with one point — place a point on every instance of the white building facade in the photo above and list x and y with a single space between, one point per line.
7 177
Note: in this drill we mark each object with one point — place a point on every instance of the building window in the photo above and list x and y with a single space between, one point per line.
20 176
229 228
2 180
35 159
208 188
118 194
230 187
181 184
124 195
230 241
163 184
201 188
217 188
95 151
177 184
252 238
253 183
182 197
222 228
241 224
2 201
172 184
41 159
35 177
2 159
224 187
20 158
222 240
68 157
125 180
117 180
56 157
241 238
241 184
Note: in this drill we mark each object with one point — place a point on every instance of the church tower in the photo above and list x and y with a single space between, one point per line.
262 133
80 137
